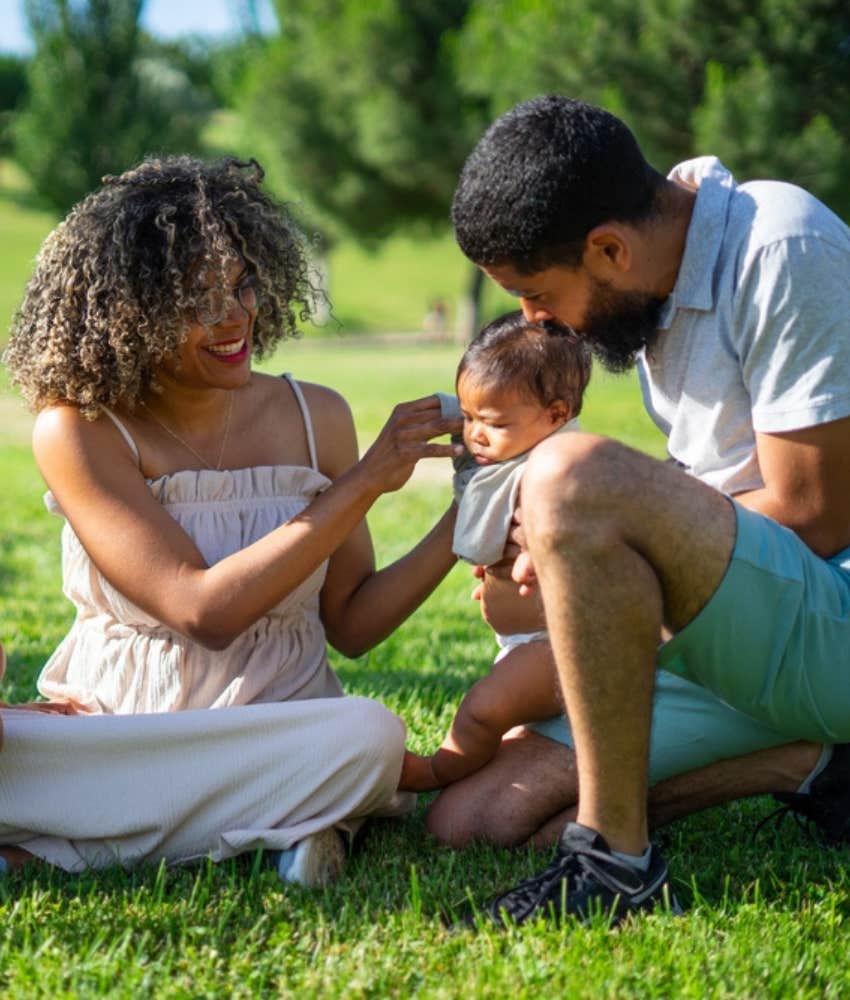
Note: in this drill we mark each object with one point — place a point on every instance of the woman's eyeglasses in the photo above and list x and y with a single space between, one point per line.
213 307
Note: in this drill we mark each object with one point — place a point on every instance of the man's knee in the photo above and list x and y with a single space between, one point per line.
573 481
452 827
457 823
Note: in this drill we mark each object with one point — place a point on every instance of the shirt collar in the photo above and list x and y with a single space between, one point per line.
714 184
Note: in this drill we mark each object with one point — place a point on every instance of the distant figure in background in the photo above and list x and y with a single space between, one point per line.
435 323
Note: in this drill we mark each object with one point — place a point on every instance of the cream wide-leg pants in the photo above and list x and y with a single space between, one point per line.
97 790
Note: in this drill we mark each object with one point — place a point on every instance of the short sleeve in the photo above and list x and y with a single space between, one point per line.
793 325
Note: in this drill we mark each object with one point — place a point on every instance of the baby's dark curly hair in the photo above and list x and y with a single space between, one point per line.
118 281
544 362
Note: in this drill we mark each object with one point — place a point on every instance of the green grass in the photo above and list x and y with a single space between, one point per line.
23 227
768 917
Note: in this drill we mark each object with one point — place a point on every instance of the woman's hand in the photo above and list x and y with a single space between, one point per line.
405 438
46 707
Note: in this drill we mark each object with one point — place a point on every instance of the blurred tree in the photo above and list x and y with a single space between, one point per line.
13 80
13 87
764 84
214 67
356 108
98 99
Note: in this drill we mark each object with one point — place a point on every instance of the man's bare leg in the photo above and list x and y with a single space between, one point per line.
529 791
776 769
621 545
530 779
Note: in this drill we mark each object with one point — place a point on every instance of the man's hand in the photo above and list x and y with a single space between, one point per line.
522 571
524 574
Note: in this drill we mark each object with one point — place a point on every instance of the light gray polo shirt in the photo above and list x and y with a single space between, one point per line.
755 335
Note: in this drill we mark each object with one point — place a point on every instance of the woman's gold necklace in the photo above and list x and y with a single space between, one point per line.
187 446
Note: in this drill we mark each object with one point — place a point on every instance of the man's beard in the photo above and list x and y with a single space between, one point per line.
617 325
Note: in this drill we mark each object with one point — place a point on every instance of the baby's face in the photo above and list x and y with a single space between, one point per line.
501 423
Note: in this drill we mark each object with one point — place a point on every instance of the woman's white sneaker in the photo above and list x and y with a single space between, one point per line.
315 861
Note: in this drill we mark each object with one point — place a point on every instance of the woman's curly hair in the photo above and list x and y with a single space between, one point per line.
117 280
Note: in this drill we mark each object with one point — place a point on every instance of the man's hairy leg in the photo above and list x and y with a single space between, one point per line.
776 769
621 545
530 779
529 791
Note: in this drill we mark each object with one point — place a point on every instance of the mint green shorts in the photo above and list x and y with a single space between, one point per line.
774 641
690 728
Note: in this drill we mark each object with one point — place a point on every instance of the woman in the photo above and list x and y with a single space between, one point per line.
215 528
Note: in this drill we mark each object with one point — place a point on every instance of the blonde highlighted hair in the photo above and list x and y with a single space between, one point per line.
117 283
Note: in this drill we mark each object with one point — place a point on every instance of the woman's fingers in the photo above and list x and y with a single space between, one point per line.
416 422
407 437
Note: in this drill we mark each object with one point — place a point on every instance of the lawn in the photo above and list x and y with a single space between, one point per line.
767 917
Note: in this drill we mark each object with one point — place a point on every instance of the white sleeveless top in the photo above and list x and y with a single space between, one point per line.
117 659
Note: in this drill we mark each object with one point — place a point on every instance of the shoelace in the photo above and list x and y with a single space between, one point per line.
776 820
809 813
585 864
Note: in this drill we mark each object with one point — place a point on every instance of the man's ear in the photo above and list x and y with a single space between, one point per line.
608 248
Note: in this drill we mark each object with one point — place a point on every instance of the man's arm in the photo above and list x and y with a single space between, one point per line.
807 483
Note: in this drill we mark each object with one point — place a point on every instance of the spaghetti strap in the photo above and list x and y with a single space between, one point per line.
131 444
308 423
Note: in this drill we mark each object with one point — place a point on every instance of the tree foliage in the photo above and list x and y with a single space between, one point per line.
764 84
98 99
13 80
13 87
361 111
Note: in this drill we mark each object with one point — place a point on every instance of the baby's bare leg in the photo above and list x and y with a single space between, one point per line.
521 687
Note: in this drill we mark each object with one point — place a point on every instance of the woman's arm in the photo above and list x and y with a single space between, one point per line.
146 555
360 605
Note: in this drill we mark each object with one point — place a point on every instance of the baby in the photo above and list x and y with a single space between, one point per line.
517 383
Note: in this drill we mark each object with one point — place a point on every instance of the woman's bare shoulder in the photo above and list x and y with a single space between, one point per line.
62 424
318 397
68 447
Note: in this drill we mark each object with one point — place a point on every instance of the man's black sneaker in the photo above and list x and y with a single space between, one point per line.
584 879
826 805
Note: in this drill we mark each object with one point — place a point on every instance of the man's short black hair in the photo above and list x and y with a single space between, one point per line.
541 177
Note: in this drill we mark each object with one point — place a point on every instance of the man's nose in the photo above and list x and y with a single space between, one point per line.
534 312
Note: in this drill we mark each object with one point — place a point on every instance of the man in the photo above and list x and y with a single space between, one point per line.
735 303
